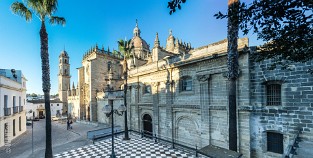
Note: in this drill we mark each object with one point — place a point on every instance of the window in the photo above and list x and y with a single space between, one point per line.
147 89
19 101
5 101
20 123
57 104
13 127
275 142
109 65
273 94
186 84
65 61
14 101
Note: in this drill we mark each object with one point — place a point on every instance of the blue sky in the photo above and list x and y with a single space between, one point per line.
103 22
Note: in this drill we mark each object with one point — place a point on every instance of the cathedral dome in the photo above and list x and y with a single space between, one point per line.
138 42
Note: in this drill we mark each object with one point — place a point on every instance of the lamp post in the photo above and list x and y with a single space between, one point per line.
109 111
32 112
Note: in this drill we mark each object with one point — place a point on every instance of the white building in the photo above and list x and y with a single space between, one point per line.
38 108
12 101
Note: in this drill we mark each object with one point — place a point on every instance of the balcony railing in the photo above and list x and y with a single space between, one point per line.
15 109
21 108
7 111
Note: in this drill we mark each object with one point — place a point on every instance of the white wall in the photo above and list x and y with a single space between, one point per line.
12 88
54 107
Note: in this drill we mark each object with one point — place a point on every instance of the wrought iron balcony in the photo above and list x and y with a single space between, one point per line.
7 111
15 109
21 108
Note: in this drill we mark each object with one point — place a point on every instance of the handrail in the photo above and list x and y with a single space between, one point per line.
293 147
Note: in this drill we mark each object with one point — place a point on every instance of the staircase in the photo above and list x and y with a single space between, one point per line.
305 149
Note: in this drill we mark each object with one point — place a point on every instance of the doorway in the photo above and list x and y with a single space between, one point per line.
40 113
147 124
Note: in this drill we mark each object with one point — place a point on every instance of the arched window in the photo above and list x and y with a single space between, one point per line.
65 72
65 61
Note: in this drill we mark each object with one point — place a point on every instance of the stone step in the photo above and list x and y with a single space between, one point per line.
305 149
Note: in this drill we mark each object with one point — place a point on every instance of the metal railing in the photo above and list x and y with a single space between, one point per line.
15 109
21 108
7 111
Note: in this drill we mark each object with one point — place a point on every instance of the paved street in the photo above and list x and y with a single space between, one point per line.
62 139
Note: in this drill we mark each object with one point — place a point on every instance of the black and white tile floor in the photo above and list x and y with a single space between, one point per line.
136 147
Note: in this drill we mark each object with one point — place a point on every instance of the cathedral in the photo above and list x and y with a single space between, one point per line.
180 93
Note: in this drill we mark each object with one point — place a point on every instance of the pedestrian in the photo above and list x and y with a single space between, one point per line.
71 124
68 124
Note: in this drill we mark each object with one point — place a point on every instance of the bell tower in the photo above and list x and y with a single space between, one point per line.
64 78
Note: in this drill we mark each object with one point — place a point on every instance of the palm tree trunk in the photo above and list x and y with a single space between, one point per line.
232 63
126 137
46 86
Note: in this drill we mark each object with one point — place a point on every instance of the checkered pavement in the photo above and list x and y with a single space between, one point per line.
136 147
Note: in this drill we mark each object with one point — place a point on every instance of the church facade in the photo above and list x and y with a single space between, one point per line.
180 93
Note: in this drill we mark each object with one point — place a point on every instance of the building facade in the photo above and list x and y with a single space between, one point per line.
180 93
12 103
36 108
100 68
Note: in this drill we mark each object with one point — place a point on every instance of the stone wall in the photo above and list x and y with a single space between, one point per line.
195 118
296 109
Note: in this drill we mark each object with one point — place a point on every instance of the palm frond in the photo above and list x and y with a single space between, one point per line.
50 6
21 10
57 20
37 7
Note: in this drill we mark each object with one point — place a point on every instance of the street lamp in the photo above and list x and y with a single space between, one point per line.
32 112
109 111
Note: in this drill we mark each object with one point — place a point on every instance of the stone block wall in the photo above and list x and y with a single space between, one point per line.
295 112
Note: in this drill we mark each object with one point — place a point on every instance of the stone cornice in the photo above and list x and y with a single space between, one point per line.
11 88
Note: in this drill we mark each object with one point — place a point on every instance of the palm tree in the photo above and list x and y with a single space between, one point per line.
232 63
44 10
233 72
125 48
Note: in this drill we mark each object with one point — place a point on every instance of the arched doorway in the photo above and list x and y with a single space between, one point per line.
147 124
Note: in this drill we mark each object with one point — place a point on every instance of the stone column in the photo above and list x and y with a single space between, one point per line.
169 110
155 102
135 88
204 107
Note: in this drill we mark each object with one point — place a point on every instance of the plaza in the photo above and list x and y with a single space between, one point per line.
136 147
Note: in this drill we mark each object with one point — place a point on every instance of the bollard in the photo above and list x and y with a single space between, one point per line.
155 140
196 151
141 134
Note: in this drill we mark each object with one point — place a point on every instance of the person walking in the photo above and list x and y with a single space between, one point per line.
71 124
68 124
